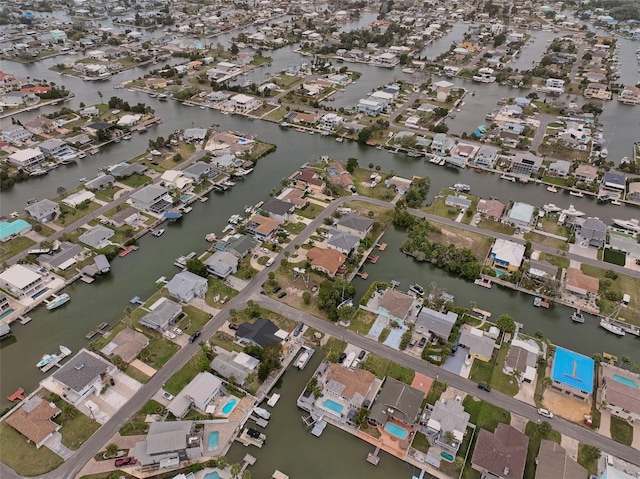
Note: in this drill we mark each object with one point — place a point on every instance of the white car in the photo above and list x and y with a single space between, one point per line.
264 250
167 396
545 413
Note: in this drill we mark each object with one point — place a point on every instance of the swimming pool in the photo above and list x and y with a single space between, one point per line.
626 381
397 431
212 441
186 197
446 456
212 475
243 141
333 406
227 408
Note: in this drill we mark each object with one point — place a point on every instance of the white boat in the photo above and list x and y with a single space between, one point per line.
551 208
572 211
155 153
552 189
273 400
416 289
263 413
235 219
612 328
508 178
461 187
58 301
228 229
157 233
302 360
577 316
615 202
577 194
211 237
604 153
216 298
632 224
46 359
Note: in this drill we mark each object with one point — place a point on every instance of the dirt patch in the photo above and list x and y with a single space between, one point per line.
478 244
570 409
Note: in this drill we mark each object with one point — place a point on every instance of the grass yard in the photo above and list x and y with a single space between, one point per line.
333 347
478 244
440 209
69 215
310 211
224 341
281 321
496 226
555 180
276 114
621 431
614 257
362 321
437 388
295 228
77 430
535 437
492 374
623 284
420 442
159 350
184 375
107 194
559 261
136 374
195 319
136 424
14 246
481 372
22 456
382 367
136 180
362 184
218 288
245 270
536 238
485 415
586 460
285 81
551 226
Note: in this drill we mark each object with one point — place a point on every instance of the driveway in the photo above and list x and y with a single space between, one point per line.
455 363
394 338
377 327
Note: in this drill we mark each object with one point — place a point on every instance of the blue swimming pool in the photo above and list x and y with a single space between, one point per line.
185 197
212 475
626 381
397 431
227 408
332 405
213 441
243 141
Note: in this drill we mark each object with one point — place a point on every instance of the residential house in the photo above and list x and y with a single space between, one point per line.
309 180
396 401
222 264
338 175
168 444
328 261
127 344
261 333
279 210
55 148
43 211
492 209
396 305
597 91
430 321
526 164
76 199
18 99
66 256
186 285
238 245
479 344
244 103
235 366
581 284
355 224
40 125
16 134
194 134
200 170
399 185
161 314
506 255
84 374
448 419
349 386
553 462
27 158
523 357
371 107
294 196
501 454
620 392
343 242
572 374
586 173
125 170
261 227
175 180
591 232
559 168
152 198
34 420
94 127
21 281
554 86
614 182
97 237
458 202
99 182
634 192
331 122
630 95
521 215
442 144
197 394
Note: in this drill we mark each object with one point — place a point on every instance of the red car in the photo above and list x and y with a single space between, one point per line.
125 461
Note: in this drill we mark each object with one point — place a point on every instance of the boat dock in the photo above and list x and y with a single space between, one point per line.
263 423
100 329
363 275
24 319
17 396
485 283
64 352
304 357
318 427
273 400
373 258
136 300
126 251
247 440
373 458
381 246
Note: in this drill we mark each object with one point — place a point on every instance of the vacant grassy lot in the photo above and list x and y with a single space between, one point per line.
217 288
77 430
363 185
536 238
478 244
334 347
310 211
535 437
184 375
496 226
22 456
14 246
362 321
439 208
383 367
559 261
621 431
586 460
136 180
623 284
437 388
69 215
485 415
615 257
136 424
106 194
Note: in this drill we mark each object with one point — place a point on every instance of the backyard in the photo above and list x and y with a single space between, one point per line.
185 374
491 372
14 246
623 284
22 456
382 367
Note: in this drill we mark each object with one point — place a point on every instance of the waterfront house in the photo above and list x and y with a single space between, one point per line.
492 209
501 454
435 322
279 210
442 144
634 192
238 245
591 232
309 180
127 344
127 121
526 164
396 306
327 261
262 332
55 148
200 170
11 229
16 134
161 314
43 211
66 256
458 202
125 170
21 281
152 198
99 182
343 242
620 392
168 443
40 125
294 196
521 215
370 106
84 374
572 374
261 227
77 198
486 156
396 401
90 111
614 182
194 134
586 173
580 284
448 418
235 365
34 420
350 387
355 224
554 86
126 216
399 185
479 344
331 121
197 394
18 99
597 91
222 264
175 180
523 357
338 175
506 255
559 168
186 285
630 95
244 103
27 158
97 237
94 127
4 307
553 462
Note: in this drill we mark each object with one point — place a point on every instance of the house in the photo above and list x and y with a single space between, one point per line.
175 179
200 170
553 462
480 345
614 181
355 224
634 192
125 170
66 256
526 164
442 144
97 237
168 443
338 175
555 86
327 261
492 209
261 227
222 264
591 231
501 454
620 392
34 420
506 255
235 366
371 107
244 103
331 121
16 134
580 284
55 148
630 95
40 125
127 121
261 333
18 99
572 374
161 314
186 285
458 202
559 168
435 322
194 134
597 91
352 386
586 173
84 374
26 158
523 357
396 401
294 196
238 245
395 305
77 198
448 418
94 127
309 180
21 281
398 184
346 243
197 394
43 211
99 182
127 344
521 214
279 210
152 198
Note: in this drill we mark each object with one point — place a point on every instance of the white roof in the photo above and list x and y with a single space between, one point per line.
282 334
26 154
19 276
508 251
240 98
171 175
382 94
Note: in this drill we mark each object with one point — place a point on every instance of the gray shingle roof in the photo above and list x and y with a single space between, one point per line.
355 222
81 370
262 332
398 397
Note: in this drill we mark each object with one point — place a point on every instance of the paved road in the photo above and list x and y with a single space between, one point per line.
95 443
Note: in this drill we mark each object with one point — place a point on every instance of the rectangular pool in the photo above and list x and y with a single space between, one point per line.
333 406
395 430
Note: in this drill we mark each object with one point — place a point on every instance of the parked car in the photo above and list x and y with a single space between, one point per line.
484 387
233 326
342 357
413 342
422 342
125 461
298 329
264 250
282 295
167 396
362 355
545 413
276 289
194 336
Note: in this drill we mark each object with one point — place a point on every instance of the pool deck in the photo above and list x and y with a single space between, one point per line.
227 430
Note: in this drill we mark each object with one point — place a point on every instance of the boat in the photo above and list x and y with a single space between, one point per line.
551 208
577 194
461 187
273 399
552 189
261 412
235 219
46 359
632 224
157 233
577 316
58 301
228 228
181 262
339 139
302 360
416 289
508 178
615 202
216 298
540 303
612 328
82 155
211 237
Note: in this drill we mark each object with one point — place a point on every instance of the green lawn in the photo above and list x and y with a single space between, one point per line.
184 375
546 241
310 211
22 456
14 246
437 388
492 374
481 372
587 461
535 437
218 288
362 182
69 215
137 374
136 180
614 257
296 228
623 284
420 442
333 347
107 194
621 431
439 208
277 114
245 270
382 367
136 423
77 430
362 321
159 350
225 341
559 261
195 319
485 415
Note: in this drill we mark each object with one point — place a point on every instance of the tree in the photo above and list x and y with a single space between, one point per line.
352 164
100 96
591 453
195 266
236 468
544 428
306 297
506 324
111 450
449 437
61 190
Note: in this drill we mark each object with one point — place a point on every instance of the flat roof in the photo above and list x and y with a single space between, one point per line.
573 369
19 276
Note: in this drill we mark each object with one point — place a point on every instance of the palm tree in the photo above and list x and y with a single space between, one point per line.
100 96
236 470
449 437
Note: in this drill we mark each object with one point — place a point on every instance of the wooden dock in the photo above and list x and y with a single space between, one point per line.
362 275
373 258
17 396
247 440
24 319
485 283
263 423
100 329
381 246
373 458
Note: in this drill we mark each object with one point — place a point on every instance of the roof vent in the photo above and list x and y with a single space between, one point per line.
506 471
78 367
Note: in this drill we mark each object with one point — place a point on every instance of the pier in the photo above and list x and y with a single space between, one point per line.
373 458
17 396
363 275
64 352
247 439
100 329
